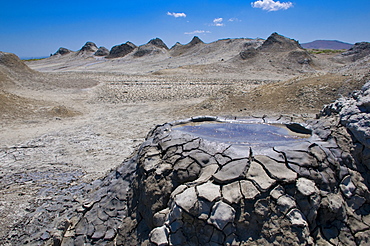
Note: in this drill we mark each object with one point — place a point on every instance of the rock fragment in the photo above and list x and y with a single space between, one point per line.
249 191
159 236
277 170
257 174
232 171
306 187
297 218
347 187
187 199
209 191
231 192
221 215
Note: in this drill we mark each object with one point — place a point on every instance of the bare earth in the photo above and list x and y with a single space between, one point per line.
60 127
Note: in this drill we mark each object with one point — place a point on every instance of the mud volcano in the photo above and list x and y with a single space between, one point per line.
200 181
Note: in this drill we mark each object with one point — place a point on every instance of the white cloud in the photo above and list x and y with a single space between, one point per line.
271 5
176 15
218 22
197 32
234 20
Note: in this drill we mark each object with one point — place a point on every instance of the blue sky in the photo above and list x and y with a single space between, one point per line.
38 28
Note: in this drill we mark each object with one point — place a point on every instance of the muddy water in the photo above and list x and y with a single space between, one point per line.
245 134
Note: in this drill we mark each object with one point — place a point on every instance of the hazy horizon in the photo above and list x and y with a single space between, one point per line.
38 29
169 46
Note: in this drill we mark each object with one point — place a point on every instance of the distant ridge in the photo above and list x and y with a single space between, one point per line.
356 52
88 47
196 40
327 44
278 50
278 43
158 43
278 54
102 51
179 49
121 50
11 63
62 51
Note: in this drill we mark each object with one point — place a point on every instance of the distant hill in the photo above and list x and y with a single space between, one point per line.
327 44
277 54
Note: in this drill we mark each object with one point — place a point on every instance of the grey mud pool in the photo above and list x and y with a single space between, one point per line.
260 135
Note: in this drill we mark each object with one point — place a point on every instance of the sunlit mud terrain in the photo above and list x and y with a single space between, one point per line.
68 120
